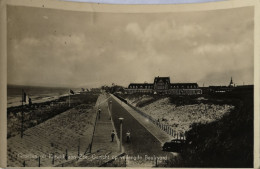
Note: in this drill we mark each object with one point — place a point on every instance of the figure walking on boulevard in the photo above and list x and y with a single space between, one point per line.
112 136
128 136
99 112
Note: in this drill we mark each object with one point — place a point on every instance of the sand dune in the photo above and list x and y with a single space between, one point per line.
53 136
180 117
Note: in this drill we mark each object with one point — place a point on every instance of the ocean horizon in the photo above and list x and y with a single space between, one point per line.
38 94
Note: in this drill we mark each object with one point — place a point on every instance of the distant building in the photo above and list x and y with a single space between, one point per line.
162 85
220 89
231 84
229 88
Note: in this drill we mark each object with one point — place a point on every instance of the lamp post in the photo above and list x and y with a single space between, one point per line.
121 132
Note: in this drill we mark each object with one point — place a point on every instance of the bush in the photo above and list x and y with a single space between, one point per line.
227 142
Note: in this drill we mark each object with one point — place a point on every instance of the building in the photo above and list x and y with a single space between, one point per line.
231 87
162 85
231 84
222 89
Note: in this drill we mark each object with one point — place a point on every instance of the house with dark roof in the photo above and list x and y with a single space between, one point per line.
163 85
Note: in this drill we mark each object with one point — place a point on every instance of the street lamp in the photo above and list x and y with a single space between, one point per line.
121 132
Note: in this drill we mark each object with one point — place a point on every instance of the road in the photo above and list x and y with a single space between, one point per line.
143 145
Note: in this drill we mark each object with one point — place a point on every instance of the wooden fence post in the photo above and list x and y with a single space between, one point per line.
93 132
79 148
52 158
88 148
39 161
66 156
125 160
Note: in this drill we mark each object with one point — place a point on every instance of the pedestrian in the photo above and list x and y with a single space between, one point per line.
99 111
30 102
128 136
112 136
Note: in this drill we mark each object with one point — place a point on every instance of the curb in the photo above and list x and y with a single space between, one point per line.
117 139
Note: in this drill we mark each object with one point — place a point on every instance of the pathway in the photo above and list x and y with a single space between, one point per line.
159 134
145 144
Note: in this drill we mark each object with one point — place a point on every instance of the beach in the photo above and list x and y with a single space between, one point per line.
37 94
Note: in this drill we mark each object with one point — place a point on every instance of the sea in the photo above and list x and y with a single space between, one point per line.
36 93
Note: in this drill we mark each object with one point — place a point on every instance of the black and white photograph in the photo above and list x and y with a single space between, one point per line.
130 89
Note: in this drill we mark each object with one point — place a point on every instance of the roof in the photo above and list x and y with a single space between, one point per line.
164 79
218 86
140 84
184 85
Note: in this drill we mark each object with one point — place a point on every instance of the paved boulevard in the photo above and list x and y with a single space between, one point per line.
143 145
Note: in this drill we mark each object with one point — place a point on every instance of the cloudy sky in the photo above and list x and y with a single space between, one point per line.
48 47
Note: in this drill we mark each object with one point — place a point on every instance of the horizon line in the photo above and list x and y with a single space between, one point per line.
106 85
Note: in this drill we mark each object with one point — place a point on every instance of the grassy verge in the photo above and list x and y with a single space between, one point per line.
40 112
69 132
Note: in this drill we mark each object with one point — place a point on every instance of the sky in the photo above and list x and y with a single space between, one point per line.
48 47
